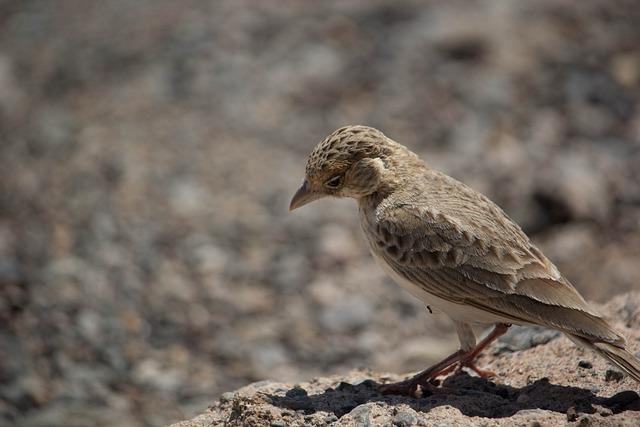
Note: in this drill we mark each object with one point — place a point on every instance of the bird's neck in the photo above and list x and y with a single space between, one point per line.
371 201
402 170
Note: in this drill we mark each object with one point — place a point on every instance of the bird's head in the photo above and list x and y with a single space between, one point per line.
351 162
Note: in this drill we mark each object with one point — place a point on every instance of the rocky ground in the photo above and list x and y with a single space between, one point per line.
149 150
542 381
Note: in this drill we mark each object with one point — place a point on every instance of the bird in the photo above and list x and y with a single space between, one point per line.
453 249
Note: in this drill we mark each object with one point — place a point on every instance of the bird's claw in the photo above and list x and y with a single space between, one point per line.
481 372
408 387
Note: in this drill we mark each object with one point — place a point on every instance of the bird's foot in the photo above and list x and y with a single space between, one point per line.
471 365
409 387
481 372
424 379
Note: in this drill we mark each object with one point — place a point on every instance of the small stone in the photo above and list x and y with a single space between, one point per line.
227 397
584 421
361 415
278 423
603 411
331 418
572 414
523 338
613 375
368 383
405 418
296 392
585 364
343 386
298 399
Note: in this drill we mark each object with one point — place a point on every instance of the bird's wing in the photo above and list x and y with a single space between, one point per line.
474 254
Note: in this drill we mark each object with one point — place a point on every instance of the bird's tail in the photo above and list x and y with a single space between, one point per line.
619 356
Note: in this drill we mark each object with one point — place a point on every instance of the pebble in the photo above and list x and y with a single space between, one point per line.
405 418
331 418
572 414
361 415
227 397
298 399
524 337
585 364
613 375
584 421
296 392
345 386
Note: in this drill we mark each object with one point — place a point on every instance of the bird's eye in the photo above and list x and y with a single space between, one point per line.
334 182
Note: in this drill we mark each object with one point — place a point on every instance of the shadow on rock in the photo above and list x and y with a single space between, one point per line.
471 395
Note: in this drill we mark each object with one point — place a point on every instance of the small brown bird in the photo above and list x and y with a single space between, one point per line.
452 248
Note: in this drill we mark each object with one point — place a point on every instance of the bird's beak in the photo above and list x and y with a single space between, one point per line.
303 196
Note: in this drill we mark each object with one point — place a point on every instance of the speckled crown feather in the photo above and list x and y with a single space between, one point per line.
348 144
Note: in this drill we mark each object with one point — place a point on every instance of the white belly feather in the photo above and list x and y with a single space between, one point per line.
458 312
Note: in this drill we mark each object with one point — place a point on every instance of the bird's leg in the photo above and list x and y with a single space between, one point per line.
467 361
460 359
410 386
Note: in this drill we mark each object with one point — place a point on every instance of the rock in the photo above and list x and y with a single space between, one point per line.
227 397
585 364
535 386
524 337
405 417
361 415
572 414
584 421
613 375
331 418
298 400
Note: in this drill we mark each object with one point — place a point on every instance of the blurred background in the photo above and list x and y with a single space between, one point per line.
149 150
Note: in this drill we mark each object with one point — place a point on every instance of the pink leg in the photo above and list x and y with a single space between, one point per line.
499 330
410 386
465 359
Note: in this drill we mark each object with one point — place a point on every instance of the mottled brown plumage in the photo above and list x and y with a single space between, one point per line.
451 247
